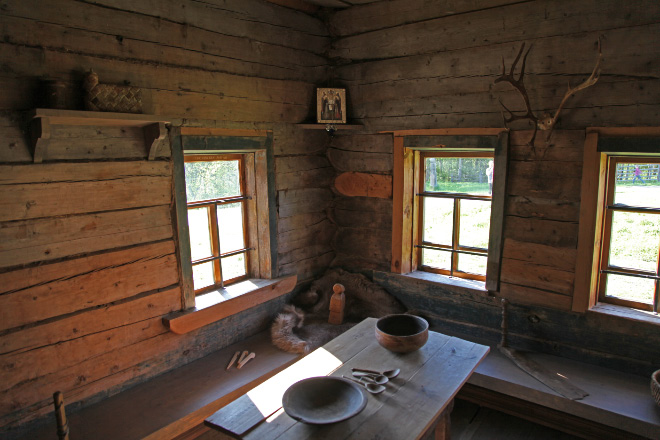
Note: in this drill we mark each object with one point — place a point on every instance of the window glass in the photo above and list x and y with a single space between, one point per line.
468 175
475 223
637 184
230 227
635 240
437 259
438 220
233 267
200 235
630 288
203 275
207 180
472 263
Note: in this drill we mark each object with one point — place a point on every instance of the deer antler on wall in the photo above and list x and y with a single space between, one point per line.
546 122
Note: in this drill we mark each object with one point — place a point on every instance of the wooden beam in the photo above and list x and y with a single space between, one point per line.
153 137
364 184
213 131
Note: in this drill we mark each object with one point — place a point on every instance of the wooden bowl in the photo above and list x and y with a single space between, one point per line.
655 386
402 333
322 400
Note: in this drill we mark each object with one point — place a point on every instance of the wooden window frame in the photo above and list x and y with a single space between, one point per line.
601 144
255 146
244 198
455 248
407 145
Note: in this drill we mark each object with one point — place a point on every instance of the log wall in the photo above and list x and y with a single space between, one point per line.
88 262
412 64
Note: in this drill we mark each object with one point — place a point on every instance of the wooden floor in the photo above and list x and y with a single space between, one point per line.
472 422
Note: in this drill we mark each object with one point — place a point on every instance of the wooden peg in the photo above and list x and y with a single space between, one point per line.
337 305
233 359
60 415
245 361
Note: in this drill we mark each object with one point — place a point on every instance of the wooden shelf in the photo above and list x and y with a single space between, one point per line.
42 119
336 126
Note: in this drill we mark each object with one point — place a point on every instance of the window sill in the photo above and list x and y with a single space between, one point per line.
221 303
450 283
625 313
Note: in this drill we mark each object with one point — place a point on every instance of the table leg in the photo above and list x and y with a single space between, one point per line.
442 429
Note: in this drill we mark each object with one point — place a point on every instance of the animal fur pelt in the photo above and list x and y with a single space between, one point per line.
304 328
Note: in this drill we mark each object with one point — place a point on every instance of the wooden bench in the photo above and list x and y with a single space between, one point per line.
619 405
176 402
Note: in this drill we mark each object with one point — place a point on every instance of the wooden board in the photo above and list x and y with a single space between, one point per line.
364 185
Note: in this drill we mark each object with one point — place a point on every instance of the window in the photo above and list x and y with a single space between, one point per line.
216 200
630 250
453 223
618 259
447 218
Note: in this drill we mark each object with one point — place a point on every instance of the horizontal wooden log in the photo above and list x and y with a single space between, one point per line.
479 28
113 283
300 221
321 232
367 143
547 232
92 321
80 172
379 15
362 219
375 245
361 162
310 269
291 164
560 189
35 363
304 195
294 209
320 177
187 321
528 295
564 145
319 247
289 139
351 262
530 274
559 258
364 185
522 206
28 241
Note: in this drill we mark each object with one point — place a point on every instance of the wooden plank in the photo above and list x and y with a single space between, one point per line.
367 143
86 291
549 232
91 322
295 209
300 221
565 145
216 131
81 172
187 321
364 185
54 238
453 32
304 195
320 177
361 162
31 201
561 210
309 269
559 258
592 195
372 244
496 231
321 232
529 295
530 274
399 258
351 218
291 164
320 246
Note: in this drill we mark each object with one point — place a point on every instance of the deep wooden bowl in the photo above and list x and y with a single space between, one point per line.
321 400
402 333
655 386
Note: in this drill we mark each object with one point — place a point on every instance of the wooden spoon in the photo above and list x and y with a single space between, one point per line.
371 387
390 374
375 378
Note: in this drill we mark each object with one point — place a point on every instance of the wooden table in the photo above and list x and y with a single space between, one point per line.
414 405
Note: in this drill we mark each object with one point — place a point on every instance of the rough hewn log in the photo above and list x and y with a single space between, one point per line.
365 185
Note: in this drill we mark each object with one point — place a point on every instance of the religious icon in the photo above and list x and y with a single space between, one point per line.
331 106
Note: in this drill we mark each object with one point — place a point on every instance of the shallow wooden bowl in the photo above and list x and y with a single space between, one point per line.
655 386
402 333
322 400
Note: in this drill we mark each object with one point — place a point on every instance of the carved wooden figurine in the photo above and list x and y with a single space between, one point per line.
337 304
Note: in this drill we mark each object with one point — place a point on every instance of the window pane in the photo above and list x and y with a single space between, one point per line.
233 266
472 263
437 259
469 175
475 223
230 227
200 237
630 288
212 180
438 220
203 275
637 184
635 240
